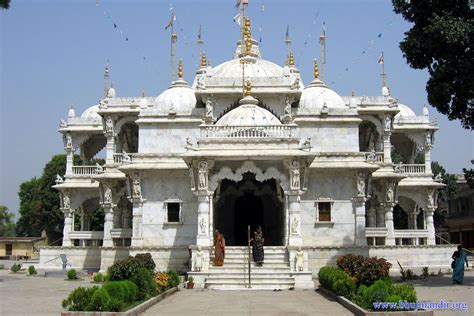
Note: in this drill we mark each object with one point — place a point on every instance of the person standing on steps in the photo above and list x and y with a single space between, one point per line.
219 249
257 246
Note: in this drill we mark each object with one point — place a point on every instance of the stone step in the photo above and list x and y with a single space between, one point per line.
257 285
281 269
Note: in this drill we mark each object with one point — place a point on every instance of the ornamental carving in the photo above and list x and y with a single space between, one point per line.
209 108
388 123
295 225
361 178
191 175
202 226
109 126
295 175
136 186
67 140
66 200
202 175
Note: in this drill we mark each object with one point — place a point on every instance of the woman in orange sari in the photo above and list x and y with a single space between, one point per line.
219 249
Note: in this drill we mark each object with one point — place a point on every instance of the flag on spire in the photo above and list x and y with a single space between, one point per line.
381 59
287 32
170 23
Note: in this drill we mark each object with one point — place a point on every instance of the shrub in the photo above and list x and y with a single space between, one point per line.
15 267
32 270
337 281
115 289
344 287
406 292
145 281
99 277
72 274
162 281
99 301
130 291
127 268
146 261
425 272
173 278
115 305
393 298
365 270
79 299
2 266
377 292
190 279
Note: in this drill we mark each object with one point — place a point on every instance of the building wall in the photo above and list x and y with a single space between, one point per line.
166 138
20 248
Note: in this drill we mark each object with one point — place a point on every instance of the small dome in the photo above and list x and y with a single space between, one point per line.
405 111
259 68
316 96
248 114
91 114
71 113
177 99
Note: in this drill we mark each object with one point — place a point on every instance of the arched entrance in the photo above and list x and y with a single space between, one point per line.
249 202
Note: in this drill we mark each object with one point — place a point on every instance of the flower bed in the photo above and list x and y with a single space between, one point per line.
365 282
128 283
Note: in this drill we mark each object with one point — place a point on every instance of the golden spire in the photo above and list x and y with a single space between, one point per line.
203 60
248 88
316 69
291 59
248 37
180 69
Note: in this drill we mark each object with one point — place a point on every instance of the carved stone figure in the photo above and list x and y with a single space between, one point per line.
209 108
299 260
294 226
201 84
295 175
360 184
99 168
67 139
191 175
198 256
390 193
126 157
287 106
202 226
107 194
62 123
136 187
66 200
295 84
202 175
388 123
109 126
59 179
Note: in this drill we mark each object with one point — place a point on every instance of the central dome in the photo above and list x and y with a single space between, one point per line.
248 114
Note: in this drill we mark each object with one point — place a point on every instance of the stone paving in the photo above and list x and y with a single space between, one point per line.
24 295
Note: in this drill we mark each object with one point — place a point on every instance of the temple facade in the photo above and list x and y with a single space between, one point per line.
247 144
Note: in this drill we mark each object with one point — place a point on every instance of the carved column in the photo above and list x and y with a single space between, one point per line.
108 205
137 213
389 204
430 207
203 238
380 216
68 214
428 146
387 147
371 216
110 134
358 204
295 238
67 139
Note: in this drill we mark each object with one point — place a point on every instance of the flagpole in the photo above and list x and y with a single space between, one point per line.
322 43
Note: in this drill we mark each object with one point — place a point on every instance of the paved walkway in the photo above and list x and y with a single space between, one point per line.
209 302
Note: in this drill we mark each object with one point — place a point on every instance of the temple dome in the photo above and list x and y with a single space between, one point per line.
91 114
405 111
179 98
248 114
317 95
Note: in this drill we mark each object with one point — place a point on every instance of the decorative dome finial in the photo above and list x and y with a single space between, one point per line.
248 88
248 37
291 59
203 60
180 69
316 69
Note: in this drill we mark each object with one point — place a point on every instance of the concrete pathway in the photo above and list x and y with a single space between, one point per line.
211 302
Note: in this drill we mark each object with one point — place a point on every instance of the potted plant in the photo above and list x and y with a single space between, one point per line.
190 284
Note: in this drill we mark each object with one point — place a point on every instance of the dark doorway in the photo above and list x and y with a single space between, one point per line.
248 211
249 202
8 249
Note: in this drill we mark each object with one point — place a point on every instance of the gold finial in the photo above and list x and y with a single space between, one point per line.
203 60
353 93
316 69
248 37
180 69
291 59
248 88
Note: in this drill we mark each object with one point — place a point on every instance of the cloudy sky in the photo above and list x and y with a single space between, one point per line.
53 52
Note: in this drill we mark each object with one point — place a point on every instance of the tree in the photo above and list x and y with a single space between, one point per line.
7 226
4 4
469 176
39 203
448 192
441 41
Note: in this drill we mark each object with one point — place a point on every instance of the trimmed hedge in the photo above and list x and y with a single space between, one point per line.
337 281
364 270
125 269
79 299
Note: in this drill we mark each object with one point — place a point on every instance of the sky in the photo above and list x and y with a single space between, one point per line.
53 53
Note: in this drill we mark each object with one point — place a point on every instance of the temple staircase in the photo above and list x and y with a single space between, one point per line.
275 274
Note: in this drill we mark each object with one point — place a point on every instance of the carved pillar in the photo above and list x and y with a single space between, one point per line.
387 147
429 210
68 214
389 204
110 134
371 216
211 218
295 238
203 239
428 146
69 149
380 216
358 204
108 205
135 190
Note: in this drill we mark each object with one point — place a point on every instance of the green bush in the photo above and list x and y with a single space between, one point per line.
131 291
393 298
406 292
2 266
125 269
79 299
365 270
337 281
32 270
99 277
115 289
344 287
145 281
173 278
15 267
377 292
72 274
115 305
99 301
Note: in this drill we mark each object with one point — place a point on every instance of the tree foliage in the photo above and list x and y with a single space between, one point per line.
4 4
7 226
469 177
441 41
39 203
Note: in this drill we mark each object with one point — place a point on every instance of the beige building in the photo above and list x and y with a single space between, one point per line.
21 247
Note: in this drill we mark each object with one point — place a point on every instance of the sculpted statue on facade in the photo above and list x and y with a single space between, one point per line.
136 186
202 226
201 84
191 175
388 123
99 168
62 123
294 226
198 256
299 260
67 139
287 106
361 184
209 108
202 175
126 157
107 194
390 197
109 126
295 175
59 179
295 83
66 200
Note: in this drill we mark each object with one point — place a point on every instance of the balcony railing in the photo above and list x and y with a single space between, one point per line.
410 169
86 170
86 235
375 231
121 233
269 131
123 158
374 157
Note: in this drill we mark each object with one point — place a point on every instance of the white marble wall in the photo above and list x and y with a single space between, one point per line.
330 136
166 138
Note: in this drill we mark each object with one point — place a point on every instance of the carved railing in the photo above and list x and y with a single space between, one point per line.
86 235
374 156
410 236
375 231
121 233
85 170
269 131
123 158
256 81
410 169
